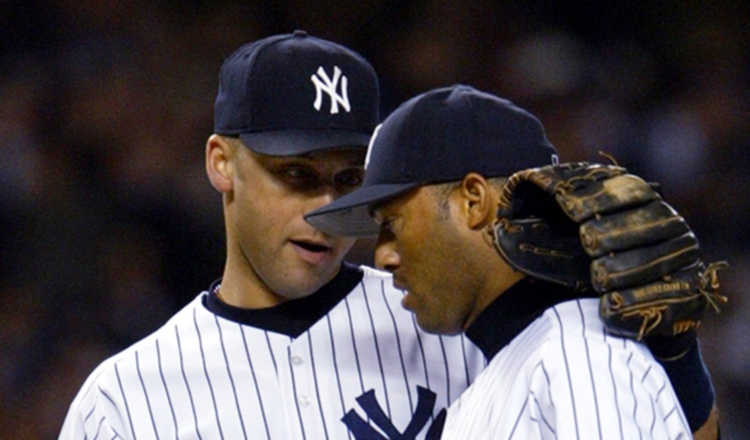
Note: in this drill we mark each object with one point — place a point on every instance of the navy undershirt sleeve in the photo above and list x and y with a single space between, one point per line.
692 384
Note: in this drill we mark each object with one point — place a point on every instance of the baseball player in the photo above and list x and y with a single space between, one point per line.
291 342
554 371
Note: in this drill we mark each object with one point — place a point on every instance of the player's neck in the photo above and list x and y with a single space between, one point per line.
246 291
498 278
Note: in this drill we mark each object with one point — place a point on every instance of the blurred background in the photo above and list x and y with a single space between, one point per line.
109 224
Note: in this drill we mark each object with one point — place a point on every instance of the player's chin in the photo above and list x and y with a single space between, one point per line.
304 280
435 322
408 301
424 317
431 324
292 290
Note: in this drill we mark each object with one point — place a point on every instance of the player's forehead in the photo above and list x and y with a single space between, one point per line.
398 206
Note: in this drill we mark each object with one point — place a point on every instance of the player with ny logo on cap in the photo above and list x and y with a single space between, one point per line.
292 342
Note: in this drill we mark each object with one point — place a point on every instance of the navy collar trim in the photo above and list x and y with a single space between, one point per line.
291 318
511 312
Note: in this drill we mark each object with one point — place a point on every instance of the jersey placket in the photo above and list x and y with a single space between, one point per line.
297 383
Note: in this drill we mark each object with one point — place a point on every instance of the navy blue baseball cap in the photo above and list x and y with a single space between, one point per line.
292 94
439 136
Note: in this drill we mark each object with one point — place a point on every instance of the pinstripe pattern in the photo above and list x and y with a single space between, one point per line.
202 376
569 380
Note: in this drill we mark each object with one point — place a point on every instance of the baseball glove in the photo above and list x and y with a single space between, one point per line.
597 228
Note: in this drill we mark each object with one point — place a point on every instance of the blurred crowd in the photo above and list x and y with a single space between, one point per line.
109 224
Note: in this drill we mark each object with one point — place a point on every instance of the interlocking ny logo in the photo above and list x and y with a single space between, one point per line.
324 84
369 403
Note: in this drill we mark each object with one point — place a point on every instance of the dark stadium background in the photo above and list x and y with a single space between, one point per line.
109 223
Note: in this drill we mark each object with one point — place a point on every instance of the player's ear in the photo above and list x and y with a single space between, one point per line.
479 201
219 163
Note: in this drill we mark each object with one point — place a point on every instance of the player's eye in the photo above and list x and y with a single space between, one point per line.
298 174
386 227
349 179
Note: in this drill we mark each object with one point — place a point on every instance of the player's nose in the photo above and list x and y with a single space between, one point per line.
322 198
386 257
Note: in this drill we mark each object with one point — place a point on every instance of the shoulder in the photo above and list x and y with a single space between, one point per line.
579 345
569 340
114 369
574 328
578 317
151 375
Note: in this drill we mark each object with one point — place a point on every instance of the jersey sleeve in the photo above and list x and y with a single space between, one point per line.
610 389
93 415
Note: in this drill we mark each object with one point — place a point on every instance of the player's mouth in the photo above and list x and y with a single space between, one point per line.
312 252
402 287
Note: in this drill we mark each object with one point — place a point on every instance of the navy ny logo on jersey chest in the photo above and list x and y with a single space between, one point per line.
362 430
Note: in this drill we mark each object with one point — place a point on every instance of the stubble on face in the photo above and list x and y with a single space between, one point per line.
421 231
277 254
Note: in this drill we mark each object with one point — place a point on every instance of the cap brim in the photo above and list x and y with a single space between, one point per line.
298 142
349 216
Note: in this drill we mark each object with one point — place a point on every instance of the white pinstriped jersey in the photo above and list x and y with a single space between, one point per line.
571 380
362 371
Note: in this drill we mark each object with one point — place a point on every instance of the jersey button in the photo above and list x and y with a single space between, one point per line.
303 401
296 360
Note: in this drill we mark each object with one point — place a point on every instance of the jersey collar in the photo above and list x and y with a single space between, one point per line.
291 318
510 313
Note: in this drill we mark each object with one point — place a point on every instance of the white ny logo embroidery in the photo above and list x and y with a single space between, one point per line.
324 84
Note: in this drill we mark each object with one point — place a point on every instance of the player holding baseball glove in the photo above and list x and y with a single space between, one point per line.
597 227
437 169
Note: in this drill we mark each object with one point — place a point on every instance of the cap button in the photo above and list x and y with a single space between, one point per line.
300 33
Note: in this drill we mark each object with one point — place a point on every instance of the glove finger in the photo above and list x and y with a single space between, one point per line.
666 307
605 196
644 265
652 223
